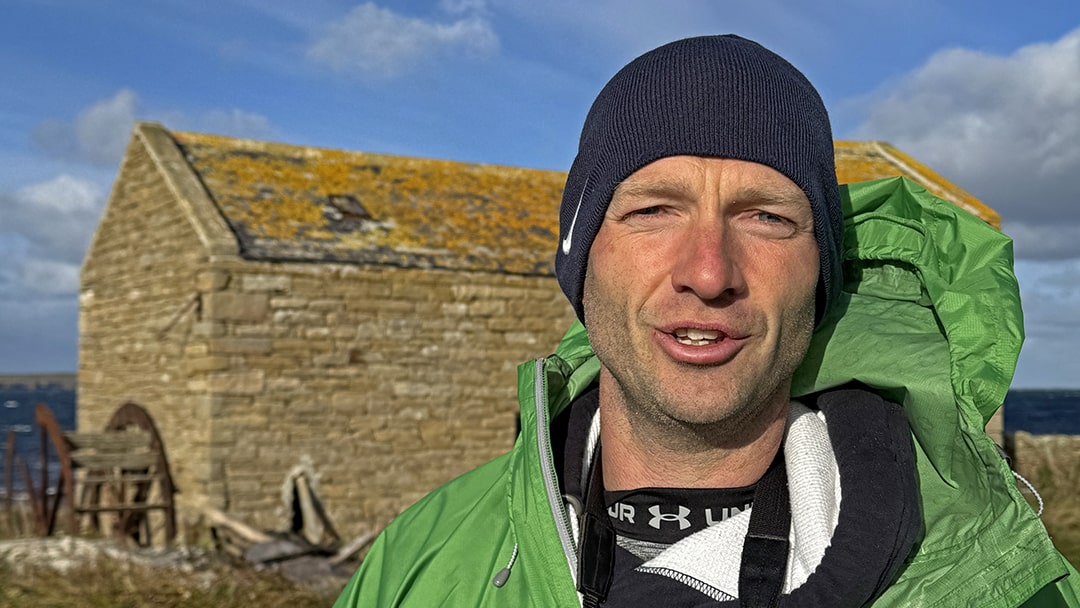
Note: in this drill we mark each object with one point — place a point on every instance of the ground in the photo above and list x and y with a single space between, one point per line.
77 572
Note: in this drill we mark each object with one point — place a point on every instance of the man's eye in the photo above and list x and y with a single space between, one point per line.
646 211
770 218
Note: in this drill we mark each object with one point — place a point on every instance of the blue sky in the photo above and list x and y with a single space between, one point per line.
986 93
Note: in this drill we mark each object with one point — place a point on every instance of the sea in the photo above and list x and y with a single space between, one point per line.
18 397
1039 412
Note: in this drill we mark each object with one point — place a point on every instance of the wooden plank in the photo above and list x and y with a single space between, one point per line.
133 506
354 546
135 460
313 531
114 441
235 527
126 478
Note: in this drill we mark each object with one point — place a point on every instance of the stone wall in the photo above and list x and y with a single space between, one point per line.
392 381
137 296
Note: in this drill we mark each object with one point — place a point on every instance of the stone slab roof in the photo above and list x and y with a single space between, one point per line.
858 161
295 203
287 202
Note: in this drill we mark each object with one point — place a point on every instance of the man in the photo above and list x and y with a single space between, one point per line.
662 459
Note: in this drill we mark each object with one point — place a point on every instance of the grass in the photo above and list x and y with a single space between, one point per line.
1052 464
109 583
122 583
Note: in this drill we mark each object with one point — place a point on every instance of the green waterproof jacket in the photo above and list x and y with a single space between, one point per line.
930 317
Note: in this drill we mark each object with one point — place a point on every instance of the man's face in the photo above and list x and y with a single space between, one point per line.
699 292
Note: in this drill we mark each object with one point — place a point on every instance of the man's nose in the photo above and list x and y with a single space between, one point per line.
708 263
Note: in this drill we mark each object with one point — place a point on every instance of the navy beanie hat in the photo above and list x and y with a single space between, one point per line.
718 96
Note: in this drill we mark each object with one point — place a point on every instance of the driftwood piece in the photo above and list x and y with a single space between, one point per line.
235 527
314 528
313 510
303 508
305 548
353 547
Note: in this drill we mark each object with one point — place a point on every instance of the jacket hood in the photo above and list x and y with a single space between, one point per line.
929 318
929 315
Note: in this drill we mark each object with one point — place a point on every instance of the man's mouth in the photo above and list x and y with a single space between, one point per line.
696 337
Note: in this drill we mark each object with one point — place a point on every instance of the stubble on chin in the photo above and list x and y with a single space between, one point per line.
689 415
723 420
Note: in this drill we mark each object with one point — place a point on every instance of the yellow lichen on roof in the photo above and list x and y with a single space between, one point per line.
278 199
861 161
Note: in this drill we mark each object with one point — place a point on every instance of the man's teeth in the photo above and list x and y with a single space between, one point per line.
696 337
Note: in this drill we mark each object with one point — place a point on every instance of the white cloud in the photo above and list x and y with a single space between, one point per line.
49 277
44 231
55 218
63 195
455 7
376 42
1050 291
98 134
1043 240
39 335
103 129
238 123
1006 128
1048 360
44 236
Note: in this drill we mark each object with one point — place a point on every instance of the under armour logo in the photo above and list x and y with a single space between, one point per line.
621 512
659 517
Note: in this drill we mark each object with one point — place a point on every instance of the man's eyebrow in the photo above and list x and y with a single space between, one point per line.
654 188
773 196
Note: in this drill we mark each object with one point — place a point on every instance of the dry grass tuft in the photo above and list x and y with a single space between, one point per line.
116 584
199 580
1052 464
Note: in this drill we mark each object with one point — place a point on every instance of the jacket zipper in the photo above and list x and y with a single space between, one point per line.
547 468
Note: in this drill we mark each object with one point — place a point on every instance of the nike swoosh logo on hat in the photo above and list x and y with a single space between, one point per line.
566 242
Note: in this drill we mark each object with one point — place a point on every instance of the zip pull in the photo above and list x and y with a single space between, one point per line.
500 578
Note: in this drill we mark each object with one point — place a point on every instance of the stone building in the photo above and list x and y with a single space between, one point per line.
269 303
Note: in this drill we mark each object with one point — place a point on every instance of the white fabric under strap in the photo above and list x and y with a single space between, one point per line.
713 555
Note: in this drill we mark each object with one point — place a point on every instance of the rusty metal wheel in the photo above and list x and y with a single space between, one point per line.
138 485
117 480
46 505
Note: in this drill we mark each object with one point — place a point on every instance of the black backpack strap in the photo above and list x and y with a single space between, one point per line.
596 560
765 550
